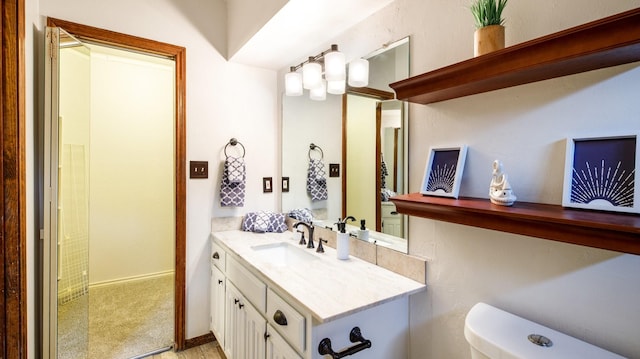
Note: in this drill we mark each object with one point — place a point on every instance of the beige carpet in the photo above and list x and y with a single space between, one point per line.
125 320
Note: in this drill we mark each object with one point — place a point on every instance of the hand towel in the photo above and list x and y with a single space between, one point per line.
316 181
233 184
383 173
235 169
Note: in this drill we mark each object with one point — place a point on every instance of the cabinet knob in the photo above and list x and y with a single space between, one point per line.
279 317
219 281
236 301
216 255
240 305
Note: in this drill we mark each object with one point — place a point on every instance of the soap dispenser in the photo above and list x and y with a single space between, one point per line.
363 232
342 242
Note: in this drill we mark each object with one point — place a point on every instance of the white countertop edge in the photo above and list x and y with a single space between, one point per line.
304 287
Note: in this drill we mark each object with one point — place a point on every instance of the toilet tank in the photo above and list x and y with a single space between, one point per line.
494 333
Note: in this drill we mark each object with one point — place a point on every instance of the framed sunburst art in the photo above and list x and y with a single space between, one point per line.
601 174
443 171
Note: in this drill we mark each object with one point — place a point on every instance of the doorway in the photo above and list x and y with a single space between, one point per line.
98 245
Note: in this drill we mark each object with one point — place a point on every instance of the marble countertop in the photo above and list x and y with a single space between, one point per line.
326 287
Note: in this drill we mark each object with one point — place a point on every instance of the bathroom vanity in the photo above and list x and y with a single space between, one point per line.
273 298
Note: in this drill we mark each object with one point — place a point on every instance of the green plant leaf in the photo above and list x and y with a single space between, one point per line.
488 12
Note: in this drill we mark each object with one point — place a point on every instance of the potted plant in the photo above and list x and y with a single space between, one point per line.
489 34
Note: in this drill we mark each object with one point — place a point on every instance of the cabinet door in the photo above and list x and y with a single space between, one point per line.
217 304
233 328
277 348
254 328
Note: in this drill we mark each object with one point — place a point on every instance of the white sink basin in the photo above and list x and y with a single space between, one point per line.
284 254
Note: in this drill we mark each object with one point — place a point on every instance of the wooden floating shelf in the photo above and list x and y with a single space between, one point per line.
607 42
605 230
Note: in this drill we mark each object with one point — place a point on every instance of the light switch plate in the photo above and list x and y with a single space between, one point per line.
198 169
334 170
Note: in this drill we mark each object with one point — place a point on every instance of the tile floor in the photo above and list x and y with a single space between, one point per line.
205 351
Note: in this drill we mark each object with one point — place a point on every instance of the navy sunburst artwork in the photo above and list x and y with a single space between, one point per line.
603 172
443 171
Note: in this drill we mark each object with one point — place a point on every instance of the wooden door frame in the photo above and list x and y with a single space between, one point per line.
178 53
13 301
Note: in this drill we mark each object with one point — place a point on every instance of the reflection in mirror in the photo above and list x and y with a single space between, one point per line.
365 132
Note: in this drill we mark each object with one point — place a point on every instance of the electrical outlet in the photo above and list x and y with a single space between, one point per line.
198 169
334 170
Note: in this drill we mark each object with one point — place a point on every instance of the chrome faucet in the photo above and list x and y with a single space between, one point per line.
309 229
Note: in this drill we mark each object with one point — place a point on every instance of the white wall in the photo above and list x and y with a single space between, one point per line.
588 293
131 166
223 100
318 122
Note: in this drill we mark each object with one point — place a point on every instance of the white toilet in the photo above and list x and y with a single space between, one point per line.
496 334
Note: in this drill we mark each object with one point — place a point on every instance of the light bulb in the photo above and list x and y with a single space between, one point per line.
293 84
359 73
334 65
319 93
311 74
336 87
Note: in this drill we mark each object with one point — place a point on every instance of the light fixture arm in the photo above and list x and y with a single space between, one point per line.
318 58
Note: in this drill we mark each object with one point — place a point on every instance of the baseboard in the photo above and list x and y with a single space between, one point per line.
131 279
197 341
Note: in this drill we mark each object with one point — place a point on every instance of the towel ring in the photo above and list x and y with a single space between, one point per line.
234 142
315 147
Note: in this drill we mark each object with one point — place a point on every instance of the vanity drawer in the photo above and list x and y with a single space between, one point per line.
388 209
294 329
249 285
218 256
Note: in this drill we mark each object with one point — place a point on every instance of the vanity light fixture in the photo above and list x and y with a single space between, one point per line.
326 72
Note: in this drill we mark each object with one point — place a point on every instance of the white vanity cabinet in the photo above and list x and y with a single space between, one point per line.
277 311
238 309
277 347
245 327
217 293
218 284
391 219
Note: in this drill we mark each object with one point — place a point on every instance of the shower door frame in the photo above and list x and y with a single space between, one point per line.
178 54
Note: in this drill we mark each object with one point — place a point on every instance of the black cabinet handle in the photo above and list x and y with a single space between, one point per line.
219 281
216 255
236 301
240 305
279 317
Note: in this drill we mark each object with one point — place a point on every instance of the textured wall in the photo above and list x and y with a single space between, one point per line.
589 293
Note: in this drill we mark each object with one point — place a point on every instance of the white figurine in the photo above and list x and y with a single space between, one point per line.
500 191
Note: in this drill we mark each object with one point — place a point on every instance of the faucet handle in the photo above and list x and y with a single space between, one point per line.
320 247
302 240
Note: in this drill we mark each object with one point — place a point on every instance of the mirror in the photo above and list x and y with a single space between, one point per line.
364 132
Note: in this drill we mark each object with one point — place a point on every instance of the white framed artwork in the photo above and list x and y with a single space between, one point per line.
443 171
600 174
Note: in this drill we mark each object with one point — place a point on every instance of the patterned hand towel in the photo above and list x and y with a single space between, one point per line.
235 169
316 181
233 184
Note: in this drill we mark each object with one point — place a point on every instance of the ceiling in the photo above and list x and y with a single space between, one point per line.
302 28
